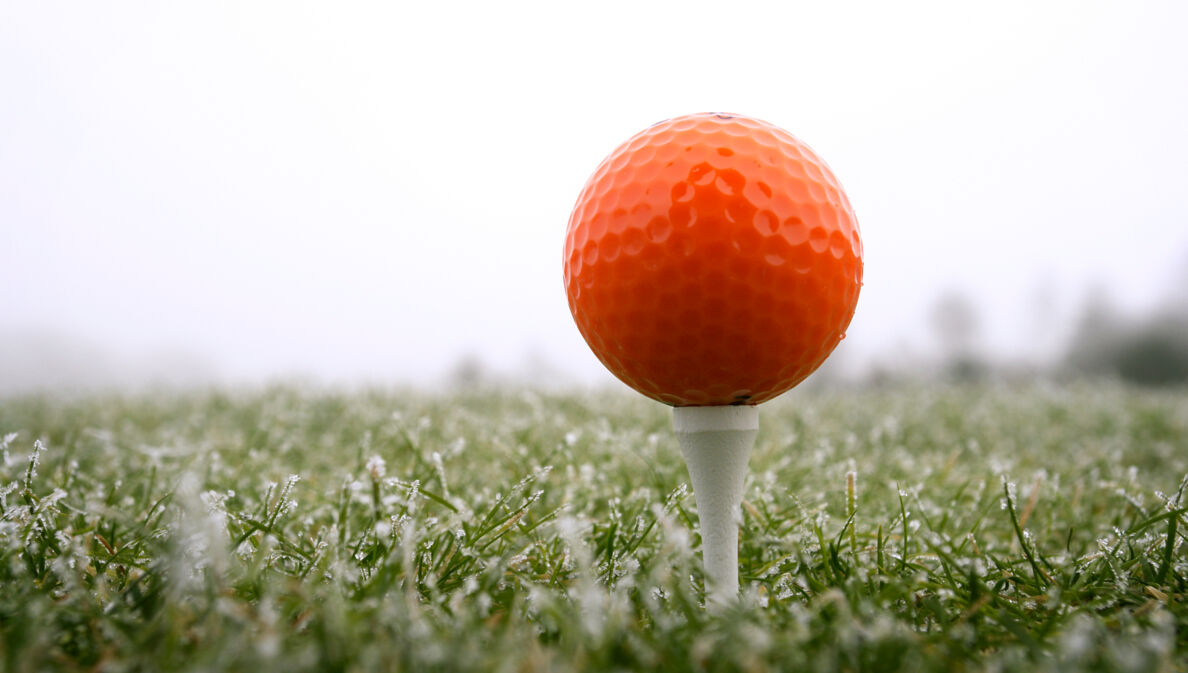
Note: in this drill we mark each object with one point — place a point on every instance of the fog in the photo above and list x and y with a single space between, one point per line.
378 193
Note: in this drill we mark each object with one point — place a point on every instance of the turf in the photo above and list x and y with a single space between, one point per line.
978 528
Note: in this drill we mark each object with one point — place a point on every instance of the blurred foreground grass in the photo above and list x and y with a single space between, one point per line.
991 529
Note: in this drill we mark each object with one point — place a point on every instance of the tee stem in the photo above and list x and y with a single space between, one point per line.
716 443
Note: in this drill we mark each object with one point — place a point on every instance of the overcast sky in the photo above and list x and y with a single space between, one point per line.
369 191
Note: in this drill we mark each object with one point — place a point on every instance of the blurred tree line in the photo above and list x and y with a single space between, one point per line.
1151 351
1148 350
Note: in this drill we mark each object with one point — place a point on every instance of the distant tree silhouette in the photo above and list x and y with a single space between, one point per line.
468 372
1153 351
956 324
1156 353
1095 337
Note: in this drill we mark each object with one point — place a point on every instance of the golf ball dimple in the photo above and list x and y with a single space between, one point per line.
712 259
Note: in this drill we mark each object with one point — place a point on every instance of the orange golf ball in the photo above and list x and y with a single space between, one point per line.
712 259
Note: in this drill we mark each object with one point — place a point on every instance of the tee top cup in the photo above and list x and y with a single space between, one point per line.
712 262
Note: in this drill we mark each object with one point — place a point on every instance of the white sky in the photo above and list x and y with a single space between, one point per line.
370 191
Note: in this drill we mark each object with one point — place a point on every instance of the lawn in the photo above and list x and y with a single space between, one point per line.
914 528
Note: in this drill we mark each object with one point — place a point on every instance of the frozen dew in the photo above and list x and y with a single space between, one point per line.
4 493
198 535
762 596
439 467
675 536
5 441
34 461
676 496
216 506
286 504
376 467
457 447
1000 466
503 556
658 594
290 482
50 501
483 604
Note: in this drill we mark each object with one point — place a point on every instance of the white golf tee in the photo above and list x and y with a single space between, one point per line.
716 442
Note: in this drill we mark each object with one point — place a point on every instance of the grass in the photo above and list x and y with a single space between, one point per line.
914 529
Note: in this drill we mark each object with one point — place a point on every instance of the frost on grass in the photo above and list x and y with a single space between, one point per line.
5 441
376 467
290 530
